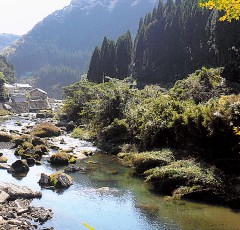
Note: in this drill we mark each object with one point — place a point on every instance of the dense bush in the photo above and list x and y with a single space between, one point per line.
197 114
185 176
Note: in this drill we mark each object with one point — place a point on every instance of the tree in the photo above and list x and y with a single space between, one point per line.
94 71
2 81
123 55
231 8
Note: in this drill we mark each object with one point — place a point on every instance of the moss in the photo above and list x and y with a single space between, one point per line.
27 145
54 179
72 160
46 130
19 151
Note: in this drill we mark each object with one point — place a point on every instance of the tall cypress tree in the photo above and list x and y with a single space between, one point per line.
123 55
108 58
95 71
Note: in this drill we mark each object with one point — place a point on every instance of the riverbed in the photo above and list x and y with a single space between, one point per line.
108 197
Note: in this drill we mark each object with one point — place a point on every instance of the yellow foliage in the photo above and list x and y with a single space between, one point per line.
88 226
231 8
236 131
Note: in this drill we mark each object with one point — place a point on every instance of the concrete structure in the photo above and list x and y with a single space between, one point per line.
9 89
37 94
22 88
18 97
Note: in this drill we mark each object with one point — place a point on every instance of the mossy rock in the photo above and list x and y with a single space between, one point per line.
19 140
19 151
73 160
61 158
5 137
46 130
3 159
60 180
27 145
41 150
37 141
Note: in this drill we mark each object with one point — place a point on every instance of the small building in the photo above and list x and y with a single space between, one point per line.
18 97
22 87
9 89
37 94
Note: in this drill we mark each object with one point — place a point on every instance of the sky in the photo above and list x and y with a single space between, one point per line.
19 16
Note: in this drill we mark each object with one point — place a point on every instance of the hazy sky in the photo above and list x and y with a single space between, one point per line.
19 16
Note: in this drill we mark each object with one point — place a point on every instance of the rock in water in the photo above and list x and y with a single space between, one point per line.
19 166
44 180
64 180
16 191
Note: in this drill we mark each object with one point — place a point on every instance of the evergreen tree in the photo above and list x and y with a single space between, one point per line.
123 55
108 58
95 71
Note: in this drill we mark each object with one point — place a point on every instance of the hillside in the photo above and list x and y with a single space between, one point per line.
7 40
174 40
66 38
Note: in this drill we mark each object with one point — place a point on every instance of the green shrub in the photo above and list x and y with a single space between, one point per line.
82 133
180 173
147 160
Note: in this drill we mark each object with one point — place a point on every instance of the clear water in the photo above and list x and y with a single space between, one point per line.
109 198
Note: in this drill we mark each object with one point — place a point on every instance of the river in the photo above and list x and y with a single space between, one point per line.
108 197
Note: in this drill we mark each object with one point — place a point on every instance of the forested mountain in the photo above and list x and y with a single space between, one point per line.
175 39
7 39
67 37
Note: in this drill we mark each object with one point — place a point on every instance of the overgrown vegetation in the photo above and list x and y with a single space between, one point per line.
198 116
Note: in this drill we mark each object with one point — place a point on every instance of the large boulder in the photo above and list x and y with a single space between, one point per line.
16 191
61 180
44 180
46 130
62 158
5 137
56 180
19 166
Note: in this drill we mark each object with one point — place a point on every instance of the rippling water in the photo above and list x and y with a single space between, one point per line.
109 198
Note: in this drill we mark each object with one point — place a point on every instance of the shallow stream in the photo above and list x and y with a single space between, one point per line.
109 198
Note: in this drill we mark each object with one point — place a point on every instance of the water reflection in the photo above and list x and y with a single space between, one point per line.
107 197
